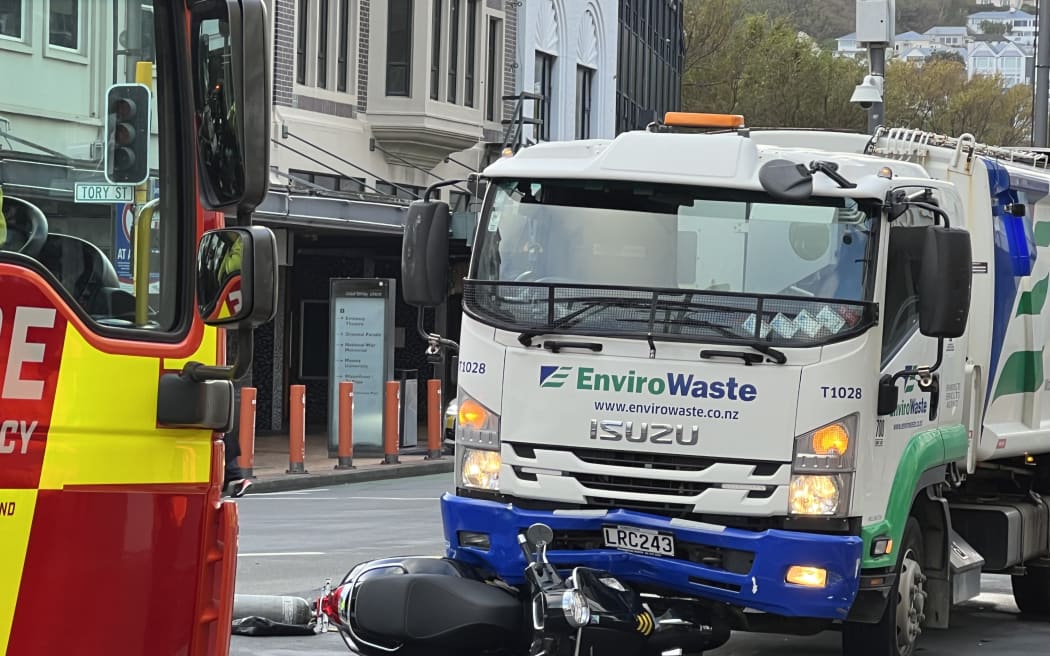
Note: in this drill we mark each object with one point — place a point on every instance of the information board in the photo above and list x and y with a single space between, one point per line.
361 350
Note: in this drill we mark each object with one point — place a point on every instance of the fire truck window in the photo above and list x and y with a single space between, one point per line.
83 152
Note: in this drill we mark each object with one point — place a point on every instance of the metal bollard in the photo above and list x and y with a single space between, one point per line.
346 426
246 432
434 415
297 430
391 432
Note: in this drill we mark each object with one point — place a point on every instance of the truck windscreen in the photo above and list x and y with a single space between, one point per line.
719 250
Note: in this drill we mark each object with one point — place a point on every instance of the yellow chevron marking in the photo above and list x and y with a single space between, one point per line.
16 519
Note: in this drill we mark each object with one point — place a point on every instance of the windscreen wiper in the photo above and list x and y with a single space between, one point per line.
573 318
748 358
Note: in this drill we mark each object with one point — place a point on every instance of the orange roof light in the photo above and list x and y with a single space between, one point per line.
694 120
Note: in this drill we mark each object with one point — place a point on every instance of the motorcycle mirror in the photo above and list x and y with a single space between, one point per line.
540 535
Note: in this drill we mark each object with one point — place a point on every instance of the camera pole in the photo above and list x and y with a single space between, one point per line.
875 26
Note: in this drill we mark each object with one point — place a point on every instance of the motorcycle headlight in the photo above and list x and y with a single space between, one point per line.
822 469
574 606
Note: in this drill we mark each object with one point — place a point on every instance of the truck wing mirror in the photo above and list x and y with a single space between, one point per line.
231 93
237 277
785 180
944 283
424 253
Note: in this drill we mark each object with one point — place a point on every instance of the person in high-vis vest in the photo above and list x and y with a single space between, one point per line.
229 275
3 219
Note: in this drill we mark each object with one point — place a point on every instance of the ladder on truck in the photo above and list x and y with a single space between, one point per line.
907 143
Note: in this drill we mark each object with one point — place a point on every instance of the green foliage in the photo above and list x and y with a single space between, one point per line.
823 19
758 65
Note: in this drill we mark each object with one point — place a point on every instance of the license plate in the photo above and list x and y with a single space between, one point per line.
639 540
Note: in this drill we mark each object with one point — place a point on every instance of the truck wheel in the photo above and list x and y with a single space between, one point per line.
898 629
1032 591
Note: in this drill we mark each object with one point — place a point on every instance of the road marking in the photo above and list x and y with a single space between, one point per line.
281 553
300 498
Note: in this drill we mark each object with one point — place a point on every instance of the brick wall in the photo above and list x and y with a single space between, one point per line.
283 52
364 12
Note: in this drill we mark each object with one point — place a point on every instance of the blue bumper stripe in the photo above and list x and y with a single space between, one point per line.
763 588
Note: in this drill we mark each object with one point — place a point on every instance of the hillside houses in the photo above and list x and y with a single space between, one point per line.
990 42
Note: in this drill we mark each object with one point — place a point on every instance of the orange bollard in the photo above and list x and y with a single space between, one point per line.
391 432
434 424
246 432
346 426
297 430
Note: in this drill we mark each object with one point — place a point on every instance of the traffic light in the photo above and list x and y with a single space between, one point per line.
127 134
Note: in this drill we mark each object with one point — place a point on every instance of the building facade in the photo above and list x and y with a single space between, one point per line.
374 100
567 53
649 63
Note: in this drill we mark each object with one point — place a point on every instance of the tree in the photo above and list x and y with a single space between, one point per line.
995 28
764 70
945 55
938 97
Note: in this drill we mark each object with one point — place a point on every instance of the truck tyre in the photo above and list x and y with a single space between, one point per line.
897 631
1032 591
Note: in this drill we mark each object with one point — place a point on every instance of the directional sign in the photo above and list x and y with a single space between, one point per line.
88 192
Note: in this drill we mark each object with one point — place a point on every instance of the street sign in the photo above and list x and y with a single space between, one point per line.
90 192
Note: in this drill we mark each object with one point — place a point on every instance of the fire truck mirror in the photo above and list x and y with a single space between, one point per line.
944 282
237 277
232 103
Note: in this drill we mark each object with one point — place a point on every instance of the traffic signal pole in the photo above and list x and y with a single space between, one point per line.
143 219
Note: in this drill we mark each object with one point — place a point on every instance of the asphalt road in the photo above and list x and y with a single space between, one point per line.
291 541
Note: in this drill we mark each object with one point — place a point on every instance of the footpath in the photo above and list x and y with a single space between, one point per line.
271 463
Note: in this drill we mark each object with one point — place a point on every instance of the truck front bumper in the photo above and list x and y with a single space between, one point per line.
743 568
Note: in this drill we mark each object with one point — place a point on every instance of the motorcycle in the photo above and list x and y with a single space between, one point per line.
434 606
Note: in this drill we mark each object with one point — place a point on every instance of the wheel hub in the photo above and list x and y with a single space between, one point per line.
911 603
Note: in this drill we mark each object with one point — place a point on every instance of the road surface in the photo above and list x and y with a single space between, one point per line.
291 541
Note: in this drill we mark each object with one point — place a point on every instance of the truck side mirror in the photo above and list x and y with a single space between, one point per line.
944 282
424 253
231 94
237 277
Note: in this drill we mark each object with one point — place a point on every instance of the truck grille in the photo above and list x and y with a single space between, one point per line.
643 460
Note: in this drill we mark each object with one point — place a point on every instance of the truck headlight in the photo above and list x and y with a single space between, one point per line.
477 435
480 469
822 469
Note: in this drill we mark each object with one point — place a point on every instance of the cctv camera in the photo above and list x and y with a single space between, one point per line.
868 92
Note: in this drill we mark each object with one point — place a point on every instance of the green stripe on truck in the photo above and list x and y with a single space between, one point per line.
925 451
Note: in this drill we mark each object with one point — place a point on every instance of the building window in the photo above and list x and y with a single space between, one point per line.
453 48
494 74
435 52
322 44
11 18
402 191
328 181
399 48
64 24
545 87
584 91
303 18
472 46
343 72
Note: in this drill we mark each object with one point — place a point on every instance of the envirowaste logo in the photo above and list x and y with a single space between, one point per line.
552 376
672 384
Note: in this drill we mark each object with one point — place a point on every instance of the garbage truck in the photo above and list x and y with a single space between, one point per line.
730 379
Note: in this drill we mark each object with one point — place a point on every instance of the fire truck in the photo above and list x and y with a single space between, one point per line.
133 150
